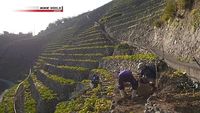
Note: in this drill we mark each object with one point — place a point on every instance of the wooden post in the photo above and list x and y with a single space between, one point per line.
196 61
156 84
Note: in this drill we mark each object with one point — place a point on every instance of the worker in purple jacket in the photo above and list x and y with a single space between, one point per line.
127 76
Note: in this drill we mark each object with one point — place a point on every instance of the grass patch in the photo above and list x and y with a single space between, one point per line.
80 60
90 54
52 54
61 79
7 104
73 68
92 100
47 58
132 57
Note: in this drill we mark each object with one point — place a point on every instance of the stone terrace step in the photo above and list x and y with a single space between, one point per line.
92 28
56 44
89 33
73 62
62 86
106 50
81 63
68 72
52 50
93 40
97 56
99 43
30 104
88 37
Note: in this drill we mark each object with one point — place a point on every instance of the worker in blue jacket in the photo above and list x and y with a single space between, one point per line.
147 74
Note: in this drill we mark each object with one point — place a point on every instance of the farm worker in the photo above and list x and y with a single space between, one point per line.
95 81
127 76
147 74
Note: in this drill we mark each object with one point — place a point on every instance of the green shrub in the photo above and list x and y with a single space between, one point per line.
184 4
122 46
195 18
105 19
169 11
179 73
158 23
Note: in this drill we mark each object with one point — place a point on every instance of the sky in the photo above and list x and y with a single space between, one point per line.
15 22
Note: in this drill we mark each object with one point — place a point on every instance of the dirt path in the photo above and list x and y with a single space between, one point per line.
128 105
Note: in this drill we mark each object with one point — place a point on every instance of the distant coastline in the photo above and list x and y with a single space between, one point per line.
3 87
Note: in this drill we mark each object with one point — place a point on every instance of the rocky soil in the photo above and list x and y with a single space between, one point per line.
176 93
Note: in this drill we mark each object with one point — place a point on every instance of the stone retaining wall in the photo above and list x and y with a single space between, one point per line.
19 99
43 106
63 90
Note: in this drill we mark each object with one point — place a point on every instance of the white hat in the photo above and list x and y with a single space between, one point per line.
140 65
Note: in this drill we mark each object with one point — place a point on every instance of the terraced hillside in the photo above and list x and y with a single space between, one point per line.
61 68
71 61
114 37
